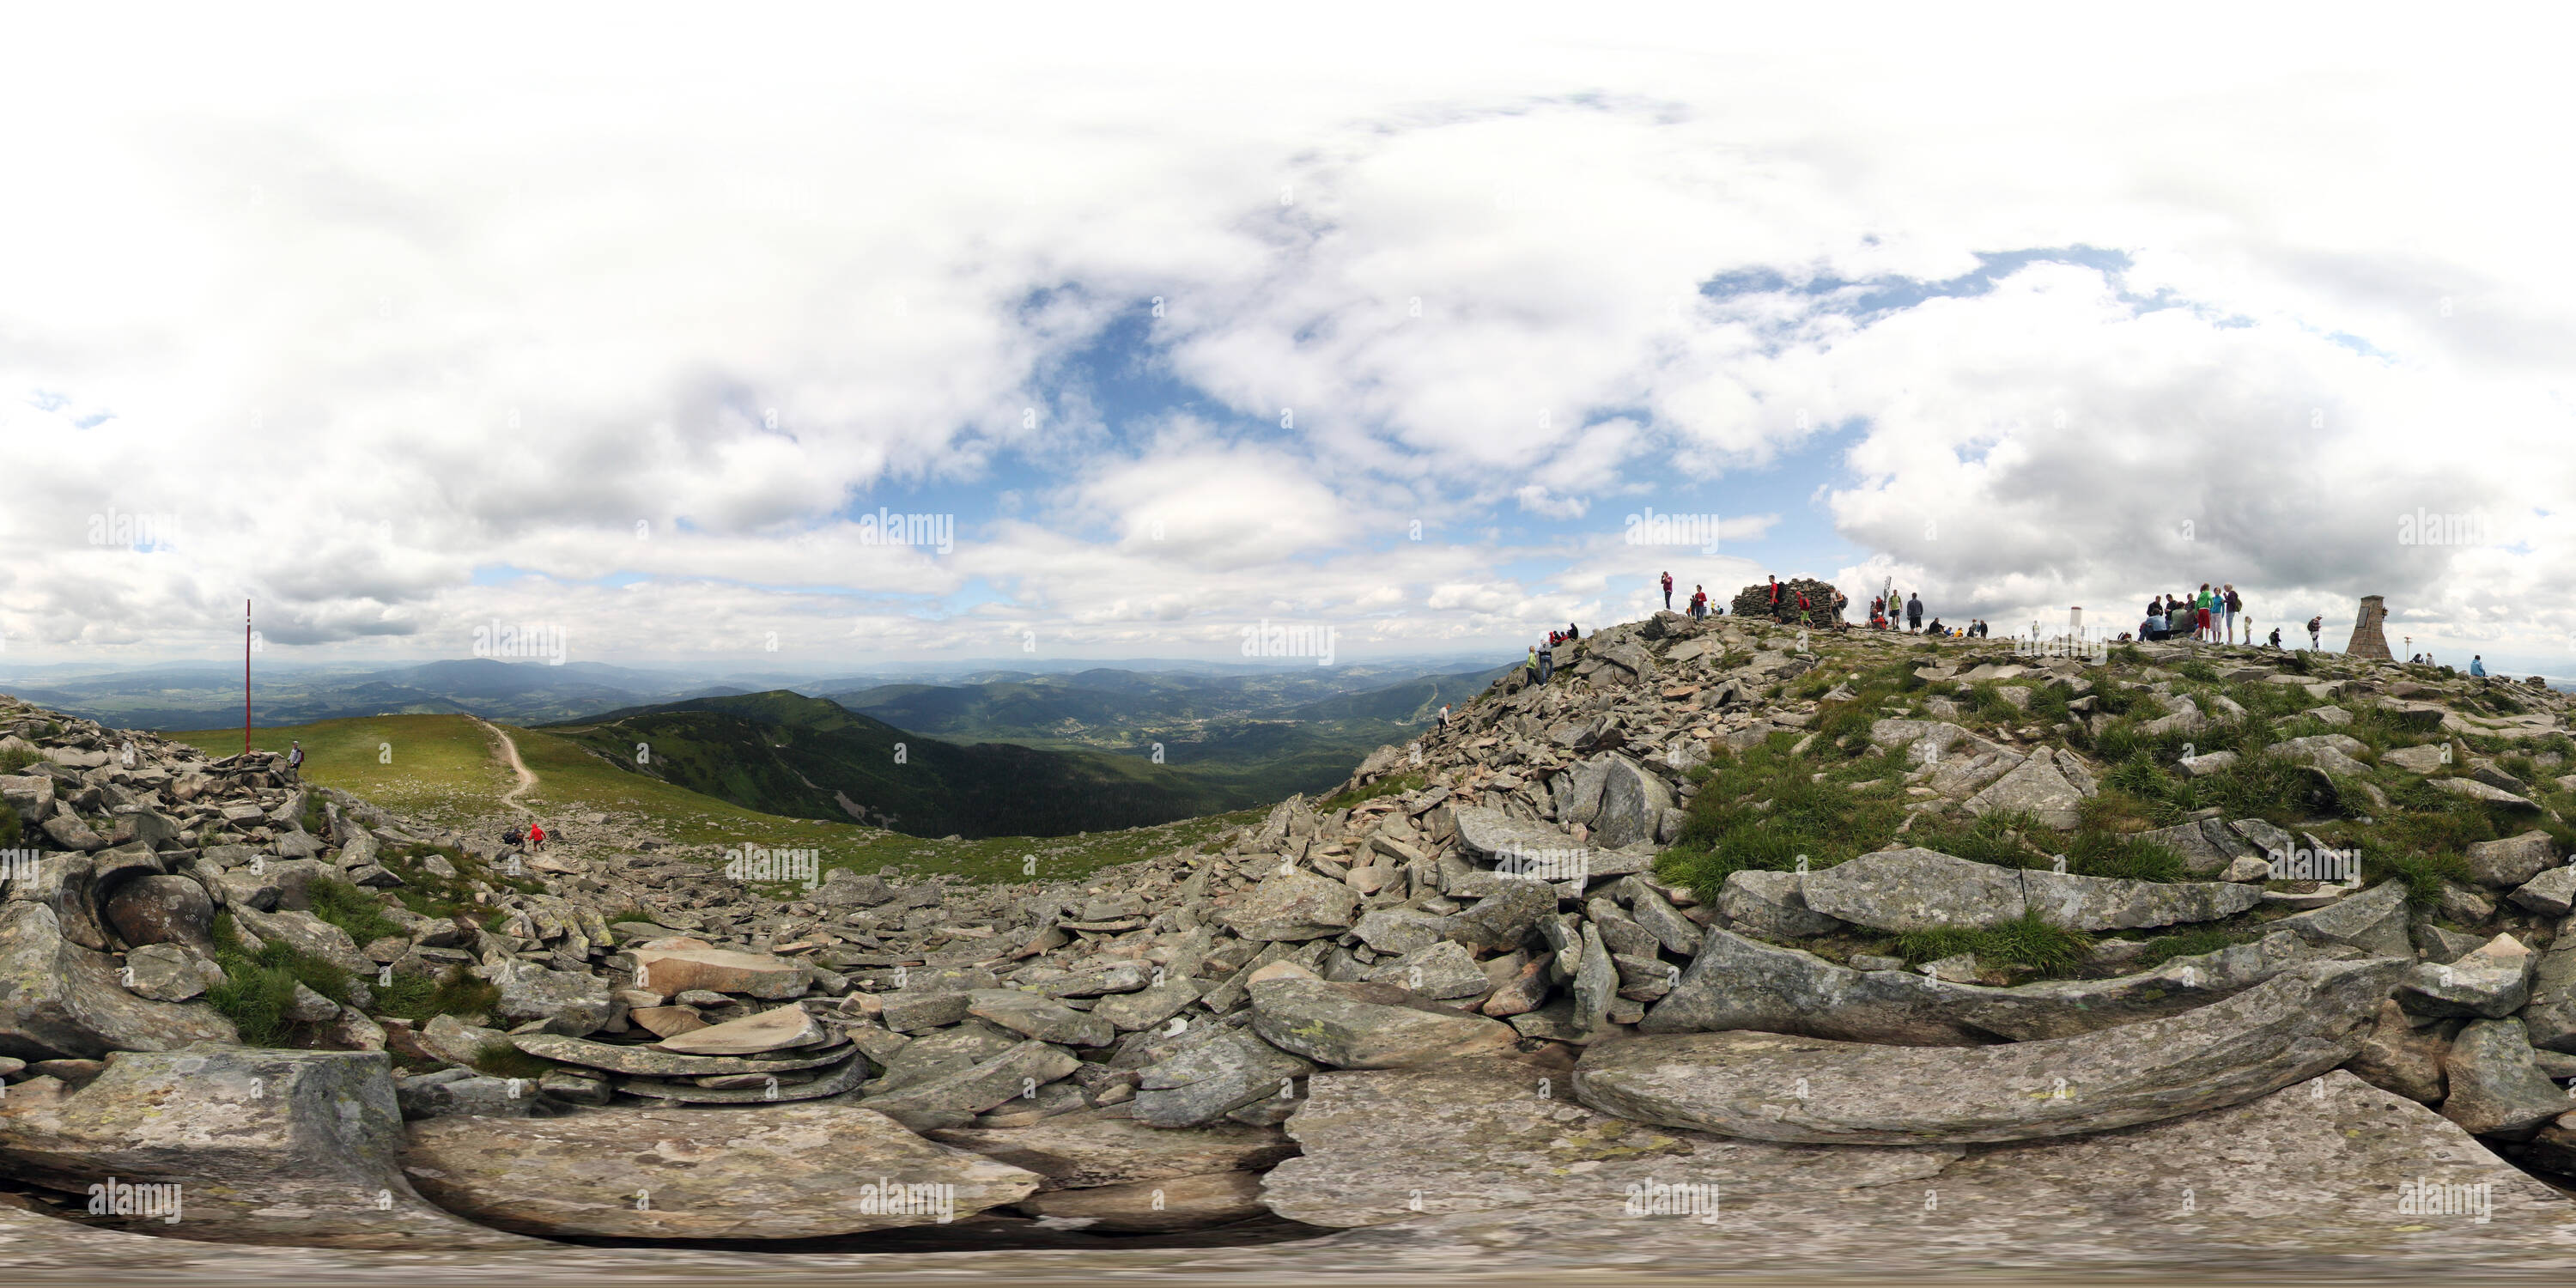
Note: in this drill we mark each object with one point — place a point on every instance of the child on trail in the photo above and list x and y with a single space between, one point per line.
536 837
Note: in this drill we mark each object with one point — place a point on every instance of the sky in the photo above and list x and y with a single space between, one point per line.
1182 330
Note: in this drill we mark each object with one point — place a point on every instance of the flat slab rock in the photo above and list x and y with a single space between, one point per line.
1768 1086
795 1171
1740 983
1090 1148
267 1146
1920 889
1368 1026
1382 1146
654 1062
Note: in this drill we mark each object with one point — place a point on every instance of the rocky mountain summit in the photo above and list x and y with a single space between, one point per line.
1731 939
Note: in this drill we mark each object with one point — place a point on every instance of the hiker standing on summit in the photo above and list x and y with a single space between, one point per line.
1668 592
2234 605
1913 612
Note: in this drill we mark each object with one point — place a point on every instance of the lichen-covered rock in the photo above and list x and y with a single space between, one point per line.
2495 1087
770 1172
1495 1132
1296 904
1767 1086
296 1147
1367 1026
59 1000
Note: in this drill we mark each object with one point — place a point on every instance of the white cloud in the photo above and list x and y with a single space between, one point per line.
375 326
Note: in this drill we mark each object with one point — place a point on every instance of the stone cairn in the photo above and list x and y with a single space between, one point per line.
2368 640
1755 601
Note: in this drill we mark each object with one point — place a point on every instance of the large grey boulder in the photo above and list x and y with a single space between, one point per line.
1440 972
1500 920
292 1147
1738 983
1092 1147
951 1100
1915 889
1919 889
2495 1086
765 1172
2035 787
2207 845
1367 1026
1767 1086
1033 1016
1401 930
2373 921
1216 1070
161 910
1772 905
2550 1016
1633 801
1497 835
306 934
2491 982
2398 1057
1493 1132
59 1000
1147 1007
2505 864
572 1003
1296 904
2551 894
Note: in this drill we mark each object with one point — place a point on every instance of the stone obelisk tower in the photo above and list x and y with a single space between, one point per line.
2368 640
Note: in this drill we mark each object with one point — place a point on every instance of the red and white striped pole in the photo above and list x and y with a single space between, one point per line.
245 677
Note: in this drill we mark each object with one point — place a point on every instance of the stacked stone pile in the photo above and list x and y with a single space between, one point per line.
1755 601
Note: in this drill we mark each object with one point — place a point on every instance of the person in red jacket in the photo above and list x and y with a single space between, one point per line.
536 837
1668 592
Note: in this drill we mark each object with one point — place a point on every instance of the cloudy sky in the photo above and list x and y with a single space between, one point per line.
628 323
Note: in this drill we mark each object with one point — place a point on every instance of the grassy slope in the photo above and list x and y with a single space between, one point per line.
447 770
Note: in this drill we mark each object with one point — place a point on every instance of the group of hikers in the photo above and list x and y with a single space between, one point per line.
1542 657
2208 617
1885 612
1699 605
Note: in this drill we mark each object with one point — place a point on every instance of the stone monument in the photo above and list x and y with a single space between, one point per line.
2368 640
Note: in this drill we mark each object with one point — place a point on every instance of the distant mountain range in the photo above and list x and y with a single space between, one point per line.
996 752
784 753
1036 756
